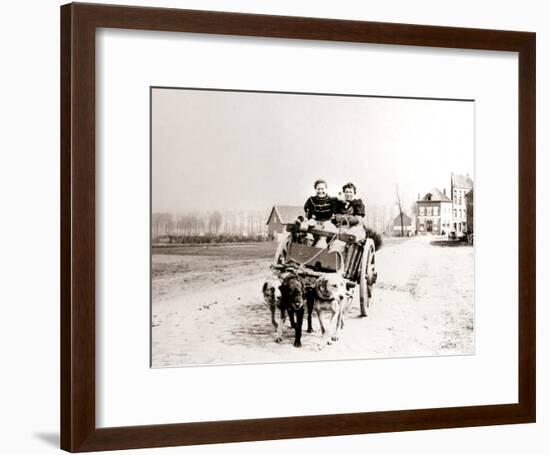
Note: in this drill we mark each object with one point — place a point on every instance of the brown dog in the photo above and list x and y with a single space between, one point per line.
293 298
330 295
288 297
292 302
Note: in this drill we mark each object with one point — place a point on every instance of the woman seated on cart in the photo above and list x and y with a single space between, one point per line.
330 214
336 215
350 212
321 208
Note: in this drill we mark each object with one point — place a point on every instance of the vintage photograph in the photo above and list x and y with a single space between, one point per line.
290 227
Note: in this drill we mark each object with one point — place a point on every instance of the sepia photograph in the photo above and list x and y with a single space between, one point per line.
292 227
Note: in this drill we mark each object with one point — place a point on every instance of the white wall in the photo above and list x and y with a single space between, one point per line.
29 258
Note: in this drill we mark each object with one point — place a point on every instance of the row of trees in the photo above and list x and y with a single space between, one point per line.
214 223
251 223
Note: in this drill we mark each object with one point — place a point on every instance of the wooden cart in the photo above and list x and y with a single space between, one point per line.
353 259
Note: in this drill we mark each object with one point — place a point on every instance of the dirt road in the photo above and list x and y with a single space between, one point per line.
208 309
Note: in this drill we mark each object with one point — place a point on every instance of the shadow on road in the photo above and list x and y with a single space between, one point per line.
451 243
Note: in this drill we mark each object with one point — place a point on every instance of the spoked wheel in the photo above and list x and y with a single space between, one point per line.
366 279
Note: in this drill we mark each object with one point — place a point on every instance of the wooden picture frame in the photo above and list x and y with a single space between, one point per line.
78 202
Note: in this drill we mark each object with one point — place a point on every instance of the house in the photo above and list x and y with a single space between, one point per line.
460 186
433 213
407 226
470 211
281 216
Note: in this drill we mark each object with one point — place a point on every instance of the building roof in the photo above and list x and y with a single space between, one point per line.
287 213
435 196
462 181
407 221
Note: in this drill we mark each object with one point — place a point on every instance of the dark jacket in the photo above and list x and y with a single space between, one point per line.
321 209
354 208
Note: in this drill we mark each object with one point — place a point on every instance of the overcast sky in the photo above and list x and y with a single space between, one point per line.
247 151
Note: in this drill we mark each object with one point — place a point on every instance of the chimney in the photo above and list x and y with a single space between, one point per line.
418 198
445 191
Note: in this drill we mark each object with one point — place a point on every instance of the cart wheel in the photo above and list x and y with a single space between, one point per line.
367 276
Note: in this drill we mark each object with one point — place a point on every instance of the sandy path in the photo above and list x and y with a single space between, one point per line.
205 313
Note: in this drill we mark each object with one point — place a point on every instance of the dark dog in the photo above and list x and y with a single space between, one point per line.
293 300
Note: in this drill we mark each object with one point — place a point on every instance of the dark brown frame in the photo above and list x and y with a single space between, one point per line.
78 26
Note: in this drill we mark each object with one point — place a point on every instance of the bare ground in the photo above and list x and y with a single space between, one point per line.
208 309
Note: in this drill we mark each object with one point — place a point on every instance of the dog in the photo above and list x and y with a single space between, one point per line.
272 297
294 297
271 292
330 295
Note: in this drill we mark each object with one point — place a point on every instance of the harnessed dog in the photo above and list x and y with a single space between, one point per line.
330 295
272 297
294 297
288 297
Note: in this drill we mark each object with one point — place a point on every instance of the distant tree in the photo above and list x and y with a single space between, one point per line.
185 224
162 224
400 210
155 225
214 222
201 225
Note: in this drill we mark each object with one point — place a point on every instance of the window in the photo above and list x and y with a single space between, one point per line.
454 213
429 211
421 211
436 211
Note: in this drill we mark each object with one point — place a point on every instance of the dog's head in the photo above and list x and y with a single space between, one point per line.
330 287
292 291
271 292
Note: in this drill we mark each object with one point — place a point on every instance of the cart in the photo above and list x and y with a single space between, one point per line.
344 254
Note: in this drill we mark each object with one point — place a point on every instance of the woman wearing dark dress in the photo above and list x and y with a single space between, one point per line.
350 213
351 210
